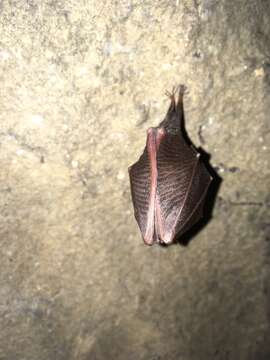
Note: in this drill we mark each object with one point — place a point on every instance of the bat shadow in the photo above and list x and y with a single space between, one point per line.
211 196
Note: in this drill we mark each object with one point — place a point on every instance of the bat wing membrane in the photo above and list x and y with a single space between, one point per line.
140 181
192 208
181 187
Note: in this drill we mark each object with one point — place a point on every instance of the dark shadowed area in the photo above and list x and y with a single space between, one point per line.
81 81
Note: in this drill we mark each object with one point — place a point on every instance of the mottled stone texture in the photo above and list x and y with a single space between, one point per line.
81 81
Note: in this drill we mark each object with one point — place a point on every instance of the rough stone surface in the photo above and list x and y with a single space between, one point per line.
81 81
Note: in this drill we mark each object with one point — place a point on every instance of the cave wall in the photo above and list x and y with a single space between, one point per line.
80 84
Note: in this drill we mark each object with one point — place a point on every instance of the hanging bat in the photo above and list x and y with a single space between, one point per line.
169 182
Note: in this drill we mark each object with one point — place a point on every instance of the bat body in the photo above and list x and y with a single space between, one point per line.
169 182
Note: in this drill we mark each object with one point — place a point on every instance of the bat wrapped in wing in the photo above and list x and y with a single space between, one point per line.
169 182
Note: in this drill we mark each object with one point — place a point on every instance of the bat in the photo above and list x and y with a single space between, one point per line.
169 182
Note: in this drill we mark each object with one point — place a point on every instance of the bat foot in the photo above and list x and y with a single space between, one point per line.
182 89
171 94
